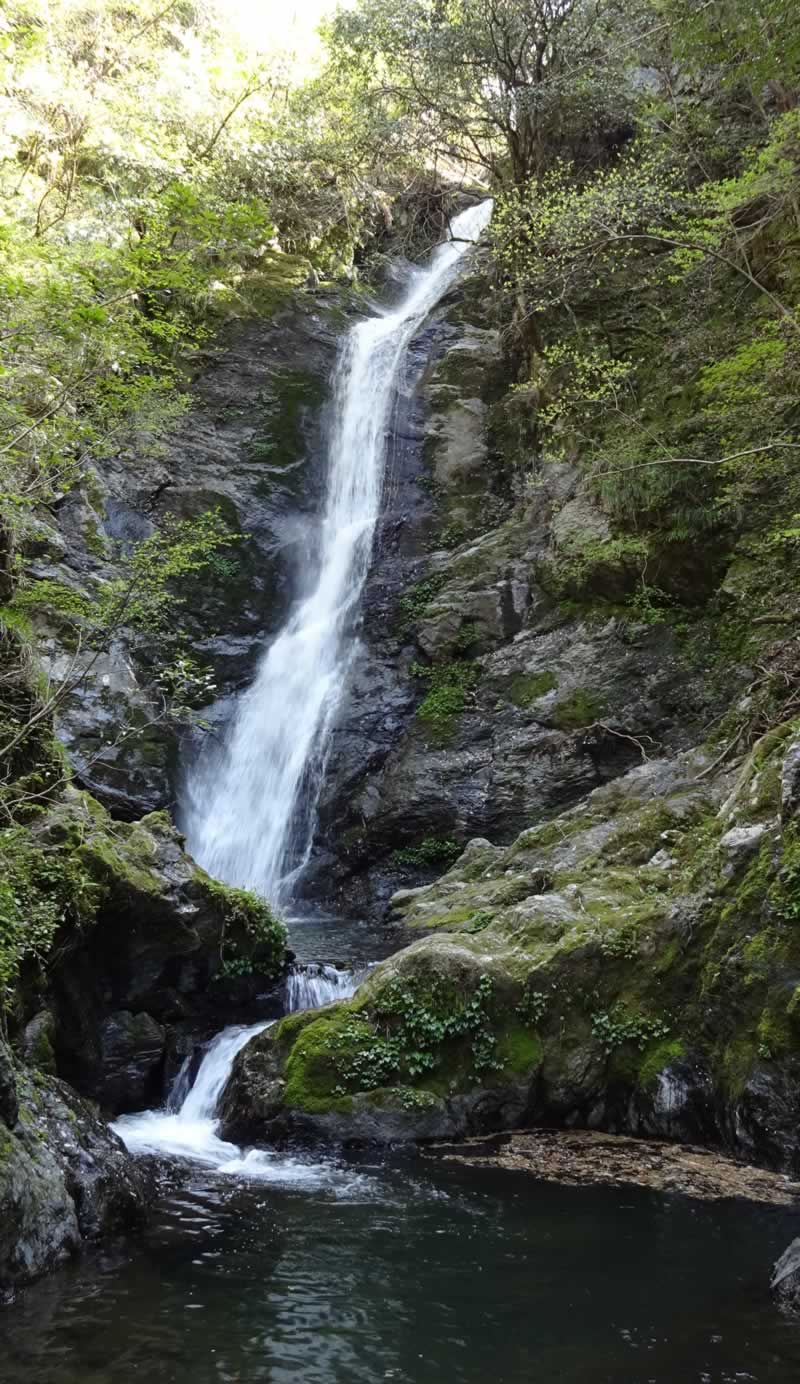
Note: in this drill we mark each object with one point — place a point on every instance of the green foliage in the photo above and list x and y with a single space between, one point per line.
253 936
425 1017
432 851
414 604
40 889
449 688
415 1032
533 1005
160 573
615 1029
489 83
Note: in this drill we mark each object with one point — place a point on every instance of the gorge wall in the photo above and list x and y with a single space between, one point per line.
612 943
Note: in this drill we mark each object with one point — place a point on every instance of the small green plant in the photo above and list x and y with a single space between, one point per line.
413 605
533 1005
621 945
619 1026
449 687
432 851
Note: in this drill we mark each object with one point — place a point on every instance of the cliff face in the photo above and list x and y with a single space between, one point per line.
616 948
507 668
562 713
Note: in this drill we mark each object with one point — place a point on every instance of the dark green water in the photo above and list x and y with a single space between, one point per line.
420 1274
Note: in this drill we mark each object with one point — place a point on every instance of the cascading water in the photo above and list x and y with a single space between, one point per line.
188 1127
311 986
244 816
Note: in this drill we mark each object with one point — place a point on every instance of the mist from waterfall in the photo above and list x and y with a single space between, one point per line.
248 810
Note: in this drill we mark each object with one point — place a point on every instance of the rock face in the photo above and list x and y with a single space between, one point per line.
65 1179
611 969
785 1284
148 968
250 448
498 682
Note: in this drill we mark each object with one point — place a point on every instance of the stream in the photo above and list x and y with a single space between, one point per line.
267 1265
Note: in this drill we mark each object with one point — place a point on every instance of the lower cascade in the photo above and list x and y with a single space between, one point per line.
190 1130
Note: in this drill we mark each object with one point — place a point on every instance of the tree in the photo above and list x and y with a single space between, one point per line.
504 85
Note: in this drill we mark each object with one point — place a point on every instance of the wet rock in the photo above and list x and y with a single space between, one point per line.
153 955
785 1282
132 1052
65 1179
250 447
584 1158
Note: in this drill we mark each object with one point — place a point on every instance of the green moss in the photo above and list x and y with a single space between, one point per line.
449 686
527 688
42 1054
317 1062
253 936
656 1057
450 918
581 708
279 277
41 888
519 1051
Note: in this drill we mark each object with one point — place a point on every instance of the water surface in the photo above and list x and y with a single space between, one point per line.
420 1273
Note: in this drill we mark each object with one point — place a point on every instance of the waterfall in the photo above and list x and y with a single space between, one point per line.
311 986
249 809
187 1128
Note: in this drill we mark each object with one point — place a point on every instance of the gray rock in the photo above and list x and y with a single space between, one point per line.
790 783
740 843
132 1051
785 1282
65 1179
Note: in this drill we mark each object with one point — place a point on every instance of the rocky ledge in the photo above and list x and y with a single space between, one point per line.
631 965
581 1158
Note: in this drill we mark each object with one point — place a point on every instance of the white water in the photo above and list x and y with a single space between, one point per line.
250 805
190 1132
309 987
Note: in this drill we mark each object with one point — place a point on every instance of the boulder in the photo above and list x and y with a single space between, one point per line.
132 1052
785 1282
65 1179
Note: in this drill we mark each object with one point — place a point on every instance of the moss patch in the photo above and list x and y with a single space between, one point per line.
581 708
526 688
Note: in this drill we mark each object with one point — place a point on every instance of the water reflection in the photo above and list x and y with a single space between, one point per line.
420 1276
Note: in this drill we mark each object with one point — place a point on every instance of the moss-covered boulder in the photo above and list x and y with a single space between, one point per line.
629 965
65 1179
116 930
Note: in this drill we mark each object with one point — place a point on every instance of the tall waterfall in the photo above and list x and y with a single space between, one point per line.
242 801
